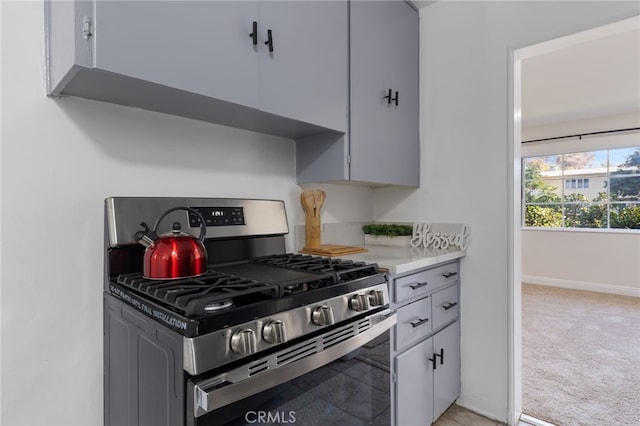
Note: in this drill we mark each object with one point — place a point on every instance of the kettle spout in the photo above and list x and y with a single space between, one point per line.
144 237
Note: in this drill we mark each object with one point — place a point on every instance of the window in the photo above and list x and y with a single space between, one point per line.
576 183
601 189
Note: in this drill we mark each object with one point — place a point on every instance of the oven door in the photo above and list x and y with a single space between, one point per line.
338 377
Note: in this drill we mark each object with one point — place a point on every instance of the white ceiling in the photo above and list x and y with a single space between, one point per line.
588 77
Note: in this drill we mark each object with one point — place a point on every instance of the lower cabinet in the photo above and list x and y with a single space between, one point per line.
428 378
426 344
446 368
414 385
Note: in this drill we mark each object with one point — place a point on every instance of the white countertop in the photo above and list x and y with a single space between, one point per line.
400 260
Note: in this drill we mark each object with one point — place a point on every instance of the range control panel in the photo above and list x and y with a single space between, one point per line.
217 216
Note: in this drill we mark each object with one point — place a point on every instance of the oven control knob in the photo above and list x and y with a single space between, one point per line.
275 332
376 297
322 315
359 302
243 342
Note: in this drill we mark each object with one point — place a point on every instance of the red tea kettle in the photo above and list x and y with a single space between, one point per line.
175 254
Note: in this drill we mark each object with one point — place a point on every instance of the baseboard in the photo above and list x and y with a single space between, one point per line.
526 419
581 285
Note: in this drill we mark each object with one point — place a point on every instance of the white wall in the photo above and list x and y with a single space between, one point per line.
575 127
465 158
605 260
60 159
585 260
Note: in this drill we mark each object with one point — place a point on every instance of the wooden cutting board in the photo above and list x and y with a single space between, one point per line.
333 250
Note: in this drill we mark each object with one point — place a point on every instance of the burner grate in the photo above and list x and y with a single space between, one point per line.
201 295
344 270
249 287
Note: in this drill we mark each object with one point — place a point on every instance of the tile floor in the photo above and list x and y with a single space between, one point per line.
459 416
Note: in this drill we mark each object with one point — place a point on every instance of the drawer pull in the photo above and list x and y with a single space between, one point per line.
418 285
450 305
441 355
450 274
419 322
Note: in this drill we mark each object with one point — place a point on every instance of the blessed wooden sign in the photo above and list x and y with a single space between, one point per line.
440 235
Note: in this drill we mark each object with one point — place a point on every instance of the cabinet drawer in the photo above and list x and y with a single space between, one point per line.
424 282
445 306
414 323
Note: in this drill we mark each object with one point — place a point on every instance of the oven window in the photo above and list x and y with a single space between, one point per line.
353 390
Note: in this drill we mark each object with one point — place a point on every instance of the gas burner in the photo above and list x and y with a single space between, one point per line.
218 306
206 294
306 286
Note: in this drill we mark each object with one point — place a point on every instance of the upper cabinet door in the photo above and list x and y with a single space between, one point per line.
305 76
384 61
201 47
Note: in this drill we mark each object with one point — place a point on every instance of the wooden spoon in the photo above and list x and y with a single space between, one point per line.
307 201
305 207
318 197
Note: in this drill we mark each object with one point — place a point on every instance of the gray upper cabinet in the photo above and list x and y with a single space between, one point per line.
200 47
305 77
198 59
384 93
382 147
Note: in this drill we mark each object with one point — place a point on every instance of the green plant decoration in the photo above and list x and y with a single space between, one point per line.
387 230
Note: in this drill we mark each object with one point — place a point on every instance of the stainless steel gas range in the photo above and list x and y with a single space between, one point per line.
262 337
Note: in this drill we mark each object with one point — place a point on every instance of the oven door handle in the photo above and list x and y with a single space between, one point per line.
206 395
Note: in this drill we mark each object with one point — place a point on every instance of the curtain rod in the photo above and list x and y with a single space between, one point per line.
582 134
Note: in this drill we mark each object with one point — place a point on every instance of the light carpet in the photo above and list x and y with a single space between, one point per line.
580 357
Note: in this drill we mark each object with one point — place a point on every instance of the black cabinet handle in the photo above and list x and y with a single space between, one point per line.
269 41
434 360
418 285
441 355
254 34
419 322
450 274
450 305
388 97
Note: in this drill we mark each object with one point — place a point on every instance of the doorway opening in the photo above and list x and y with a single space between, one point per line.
559 117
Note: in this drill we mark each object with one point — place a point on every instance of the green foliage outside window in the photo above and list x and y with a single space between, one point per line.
617 208
628 217
625 182
539 216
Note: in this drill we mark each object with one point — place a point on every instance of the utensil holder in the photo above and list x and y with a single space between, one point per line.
312 231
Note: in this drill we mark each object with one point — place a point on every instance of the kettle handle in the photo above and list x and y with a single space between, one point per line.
203 226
